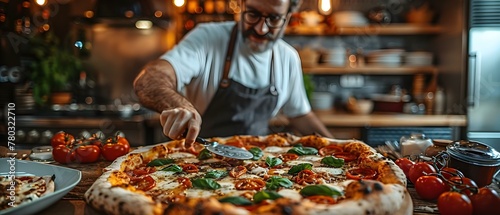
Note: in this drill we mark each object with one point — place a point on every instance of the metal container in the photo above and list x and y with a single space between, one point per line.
478 161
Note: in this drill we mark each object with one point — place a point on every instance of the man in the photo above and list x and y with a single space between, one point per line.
230 78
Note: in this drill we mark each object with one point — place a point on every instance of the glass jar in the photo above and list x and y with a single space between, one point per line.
415 144
438 145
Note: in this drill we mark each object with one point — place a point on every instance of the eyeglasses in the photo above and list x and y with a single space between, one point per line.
272 21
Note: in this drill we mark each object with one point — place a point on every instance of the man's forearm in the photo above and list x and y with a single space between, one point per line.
156 86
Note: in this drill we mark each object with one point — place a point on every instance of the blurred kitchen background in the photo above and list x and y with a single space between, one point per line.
375 70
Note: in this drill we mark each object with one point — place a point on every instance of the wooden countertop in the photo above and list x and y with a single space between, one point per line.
73 203
334 119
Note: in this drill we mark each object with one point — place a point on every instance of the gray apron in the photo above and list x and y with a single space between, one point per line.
236 109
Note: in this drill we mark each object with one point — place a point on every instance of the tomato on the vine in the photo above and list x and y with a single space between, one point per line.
466 185
62 138
485 201
405 164
361 173
420 169
430 187
115 147
63 154
87 153
454 203
449 172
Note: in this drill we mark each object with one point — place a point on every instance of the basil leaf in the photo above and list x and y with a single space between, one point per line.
300 150
263 195
205 154
205 183
172 168
256 152
160 162
333 162
297 168
215 174
236 200
322 190
276 182
273 161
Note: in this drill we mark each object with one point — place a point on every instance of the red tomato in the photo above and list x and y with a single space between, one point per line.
454 203
486 201
348 157
87 153
420 169
466 185
115 147
330 150
405 164
361 173
62 138
429 187
449 172
63 154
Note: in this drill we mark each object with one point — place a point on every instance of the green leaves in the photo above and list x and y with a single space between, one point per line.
323 190
273 161
160 162
300 150
276 182
172 168
236 200
256 152
205 183
215 174
297 168
205 154
333 161
263 195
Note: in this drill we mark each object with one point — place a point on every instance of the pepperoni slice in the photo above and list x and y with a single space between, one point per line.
250 184
361 173
330 150
289 156
144 183
189 168
185 182
306 177
237 171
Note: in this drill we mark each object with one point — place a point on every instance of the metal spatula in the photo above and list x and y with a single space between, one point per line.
225 150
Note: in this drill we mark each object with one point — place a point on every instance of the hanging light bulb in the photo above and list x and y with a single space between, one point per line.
325 7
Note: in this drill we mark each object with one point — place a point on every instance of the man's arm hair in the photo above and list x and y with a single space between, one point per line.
156 85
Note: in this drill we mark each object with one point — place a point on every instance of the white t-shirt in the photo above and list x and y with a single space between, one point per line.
198 61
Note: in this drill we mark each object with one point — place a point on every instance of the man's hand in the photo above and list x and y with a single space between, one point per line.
177 121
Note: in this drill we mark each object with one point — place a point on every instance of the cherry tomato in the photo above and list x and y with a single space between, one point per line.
87 153
361 173
463 183
449 172
430 187
454 203
250 184
485 201
348 157
63 154
420 169
404 164
306 177
189 168
62 138
330 150
185 182
115 147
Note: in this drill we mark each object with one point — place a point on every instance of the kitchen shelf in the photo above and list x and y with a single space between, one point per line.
373 29
322 69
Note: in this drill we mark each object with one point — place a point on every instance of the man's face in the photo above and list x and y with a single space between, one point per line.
262 25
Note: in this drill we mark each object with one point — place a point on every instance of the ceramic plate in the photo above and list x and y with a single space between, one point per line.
66 179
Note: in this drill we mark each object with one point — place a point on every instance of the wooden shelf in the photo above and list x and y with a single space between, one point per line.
369 70
391 29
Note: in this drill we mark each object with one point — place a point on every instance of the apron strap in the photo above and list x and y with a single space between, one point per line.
229 56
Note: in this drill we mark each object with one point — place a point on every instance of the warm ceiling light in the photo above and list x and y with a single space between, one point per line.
179 3
41 2
325 7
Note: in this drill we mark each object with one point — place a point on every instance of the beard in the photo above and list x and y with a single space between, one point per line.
257 42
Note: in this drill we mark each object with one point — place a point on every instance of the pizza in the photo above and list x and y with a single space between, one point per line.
288 174
17 190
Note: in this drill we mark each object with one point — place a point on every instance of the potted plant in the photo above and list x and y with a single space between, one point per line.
53 71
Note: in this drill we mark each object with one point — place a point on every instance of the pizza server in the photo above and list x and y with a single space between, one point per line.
225 150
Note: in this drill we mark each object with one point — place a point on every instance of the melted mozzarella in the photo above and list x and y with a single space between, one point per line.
297 162
276 149
291 194
183 155
260 171
333 171
311 158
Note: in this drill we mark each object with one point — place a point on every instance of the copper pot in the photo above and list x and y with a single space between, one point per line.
476 160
